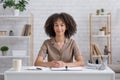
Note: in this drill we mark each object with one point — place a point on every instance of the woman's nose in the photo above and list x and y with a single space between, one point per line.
59 27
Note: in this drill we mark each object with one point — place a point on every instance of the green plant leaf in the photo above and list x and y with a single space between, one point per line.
20 5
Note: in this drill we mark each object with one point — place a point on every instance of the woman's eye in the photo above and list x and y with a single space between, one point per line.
56 25
62 25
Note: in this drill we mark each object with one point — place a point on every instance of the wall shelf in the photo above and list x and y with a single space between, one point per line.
21 41
97 41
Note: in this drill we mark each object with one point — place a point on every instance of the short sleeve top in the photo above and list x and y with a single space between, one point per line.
66 53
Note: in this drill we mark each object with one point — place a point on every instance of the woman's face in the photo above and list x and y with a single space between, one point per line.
59 27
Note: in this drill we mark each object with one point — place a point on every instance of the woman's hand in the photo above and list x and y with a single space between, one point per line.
57 64
53 64
60 64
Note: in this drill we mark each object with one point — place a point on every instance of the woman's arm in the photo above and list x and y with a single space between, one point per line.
77 54
39 62
78 62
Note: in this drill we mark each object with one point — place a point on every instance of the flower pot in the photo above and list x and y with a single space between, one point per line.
16 12
8 11
101 33
4 53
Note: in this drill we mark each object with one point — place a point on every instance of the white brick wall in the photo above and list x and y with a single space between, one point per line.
80 10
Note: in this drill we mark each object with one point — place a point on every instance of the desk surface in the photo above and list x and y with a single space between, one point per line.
32 69
28 73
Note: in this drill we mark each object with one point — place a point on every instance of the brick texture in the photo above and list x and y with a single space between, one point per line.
80 10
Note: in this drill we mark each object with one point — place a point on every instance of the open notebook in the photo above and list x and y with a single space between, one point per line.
67 69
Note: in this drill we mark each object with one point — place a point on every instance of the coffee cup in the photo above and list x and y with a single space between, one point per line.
17 64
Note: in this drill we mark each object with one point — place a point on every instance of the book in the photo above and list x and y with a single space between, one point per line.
37 68
67 69
98 51
93 66
26 30
92 53
29 30
23 31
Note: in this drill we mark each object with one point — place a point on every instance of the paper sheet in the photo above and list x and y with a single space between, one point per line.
37 68
68 69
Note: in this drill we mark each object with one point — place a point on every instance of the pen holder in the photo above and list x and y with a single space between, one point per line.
102 66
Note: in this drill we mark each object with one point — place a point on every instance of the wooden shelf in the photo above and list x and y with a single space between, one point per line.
11 16
14 36
97 22
14 57
16 42
101 36
100 16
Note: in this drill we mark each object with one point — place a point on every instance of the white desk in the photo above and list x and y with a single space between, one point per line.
85 74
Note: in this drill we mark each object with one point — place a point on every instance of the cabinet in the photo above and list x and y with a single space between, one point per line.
100 36
20 45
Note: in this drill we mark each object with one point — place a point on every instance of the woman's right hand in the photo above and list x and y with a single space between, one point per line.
56 64
53 64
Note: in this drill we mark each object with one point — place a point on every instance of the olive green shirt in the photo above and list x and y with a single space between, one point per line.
69 50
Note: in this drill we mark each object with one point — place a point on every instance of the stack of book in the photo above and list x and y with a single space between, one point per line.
96 51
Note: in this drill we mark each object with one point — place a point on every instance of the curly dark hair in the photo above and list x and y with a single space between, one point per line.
66 18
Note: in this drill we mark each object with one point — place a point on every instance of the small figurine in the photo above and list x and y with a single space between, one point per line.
106 51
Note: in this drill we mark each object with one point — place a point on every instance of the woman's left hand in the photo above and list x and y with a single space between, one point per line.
60 64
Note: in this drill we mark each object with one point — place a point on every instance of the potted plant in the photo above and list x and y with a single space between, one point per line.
21 5
17 5
97 12
102 11
101 32
4 50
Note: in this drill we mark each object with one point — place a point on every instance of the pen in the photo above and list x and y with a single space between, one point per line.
66 67
38 68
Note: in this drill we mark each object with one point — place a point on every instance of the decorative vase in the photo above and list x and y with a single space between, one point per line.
4 53
16 12
101 33
104 59
11 33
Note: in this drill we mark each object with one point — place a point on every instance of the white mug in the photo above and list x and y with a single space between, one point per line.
17 64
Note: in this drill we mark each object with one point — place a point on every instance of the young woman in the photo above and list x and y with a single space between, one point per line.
60 48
